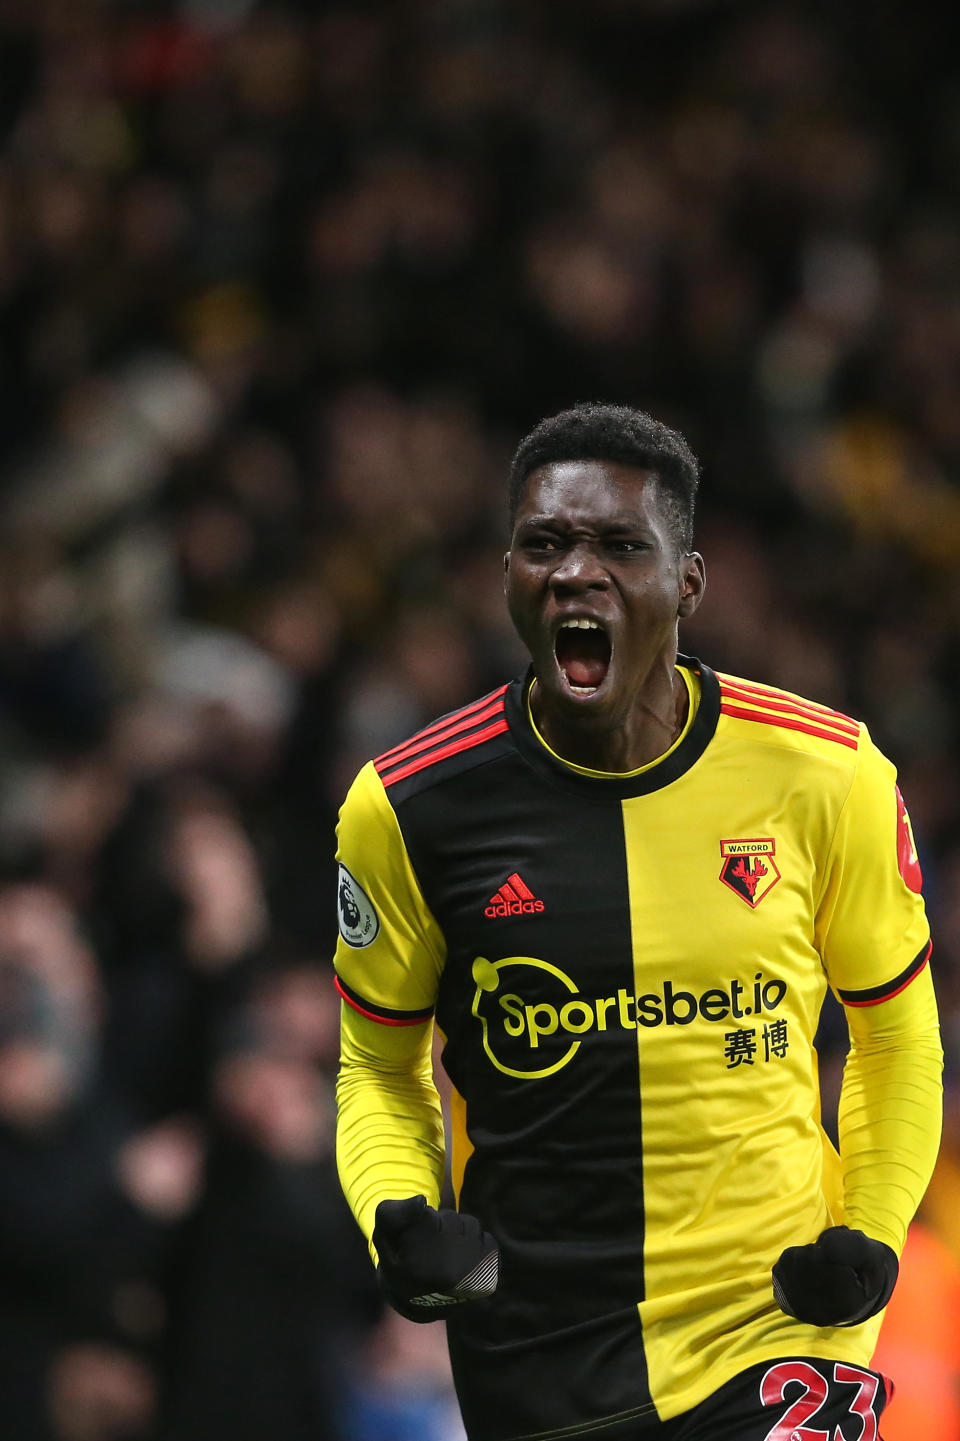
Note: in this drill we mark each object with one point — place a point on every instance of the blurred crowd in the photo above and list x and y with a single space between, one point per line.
281 287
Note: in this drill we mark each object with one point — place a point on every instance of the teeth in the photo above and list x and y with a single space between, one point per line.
584 689
580 624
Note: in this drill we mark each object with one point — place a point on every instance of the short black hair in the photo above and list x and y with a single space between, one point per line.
594 431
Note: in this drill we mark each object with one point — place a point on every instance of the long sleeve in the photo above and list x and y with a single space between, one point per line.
890 1110
389 960
389 1120
875 943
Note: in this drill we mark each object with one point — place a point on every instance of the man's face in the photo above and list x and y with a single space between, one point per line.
595 585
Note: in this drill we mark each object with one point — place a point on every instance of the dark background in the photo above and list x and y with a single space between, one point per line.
281 287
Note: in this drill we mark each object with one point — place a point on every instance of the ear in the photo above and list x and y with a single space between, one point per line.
693 580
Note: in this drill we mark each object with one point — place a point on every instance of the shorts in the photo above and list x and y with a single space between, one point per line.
798 1399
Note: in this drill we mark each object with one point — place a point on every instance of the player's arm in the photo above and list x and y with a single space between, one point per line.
891 1109
389 1121
390 1146
875 944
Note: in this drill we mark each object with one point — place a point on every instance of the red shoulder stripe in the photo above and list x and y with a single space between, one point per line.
414 747
773 693
454 748
441 724
822 717
767 719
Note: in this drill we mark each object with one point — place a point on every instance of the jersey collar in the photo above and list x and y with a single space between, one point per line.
670 768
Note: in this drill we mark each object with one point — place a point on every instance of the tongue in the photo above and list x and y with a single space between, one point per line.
584 656
585 672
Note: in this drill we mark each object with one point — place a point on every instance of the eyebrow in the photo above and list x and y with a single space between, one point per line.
615 523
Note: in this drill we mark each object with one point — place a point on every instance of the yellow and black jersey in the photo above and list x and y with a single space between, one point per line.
627 972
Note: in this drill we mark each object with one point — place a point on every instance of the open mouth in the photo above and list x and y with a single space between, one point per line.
583 651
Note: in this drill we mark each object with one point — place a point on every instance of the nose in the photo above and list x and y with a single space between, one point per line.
580 569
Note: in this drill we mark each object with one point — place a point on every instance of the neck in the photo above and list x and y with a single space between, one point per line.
654 722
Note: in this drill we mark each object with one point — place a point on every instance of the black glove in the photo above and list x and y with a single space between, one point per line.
431 1261
839 1280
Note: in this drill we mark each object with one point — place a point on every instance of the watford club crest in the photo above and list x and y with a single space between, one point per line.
749 868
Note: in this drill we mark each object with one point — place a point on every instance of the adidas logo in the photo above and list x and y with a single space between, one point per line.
514 898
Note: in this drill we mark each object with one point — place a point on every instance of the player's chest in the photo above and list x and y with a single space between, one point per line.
686 913
544 874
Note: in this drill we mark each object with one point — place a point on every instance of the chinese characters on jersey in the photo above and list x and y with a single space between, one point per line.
742 1047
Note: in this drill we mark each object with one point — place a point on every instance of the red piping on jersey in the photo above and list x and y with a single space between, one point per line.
441 724
413 747
888 995
373 1016
454 748
842 723
790 725
732 683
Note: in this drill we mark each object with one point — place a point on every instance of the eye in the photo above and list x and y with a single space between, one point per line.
536 543
625 547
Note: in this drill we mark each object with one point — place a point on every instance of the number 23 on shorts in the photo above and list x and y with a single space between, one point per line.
798 1422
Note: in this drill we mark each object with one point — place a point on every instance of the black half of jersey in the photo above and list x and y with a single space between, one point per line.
522 862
